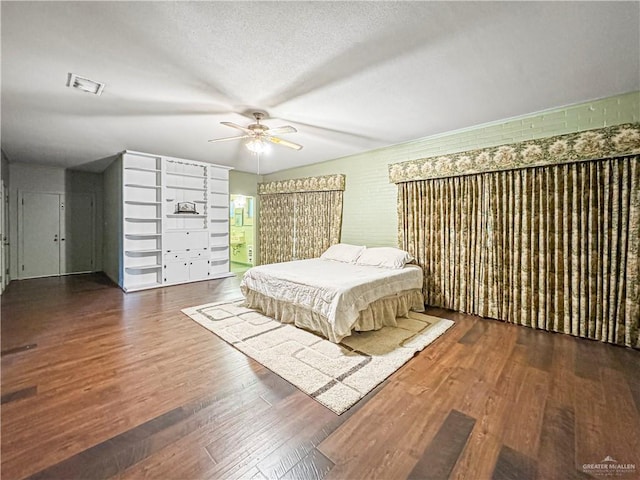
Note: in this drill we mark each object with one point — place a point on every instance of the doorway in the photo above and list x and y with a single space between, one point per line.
4 237
241 233
55 234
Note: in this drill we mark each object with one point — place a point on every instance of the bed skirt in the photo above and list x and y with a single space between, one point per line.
381 313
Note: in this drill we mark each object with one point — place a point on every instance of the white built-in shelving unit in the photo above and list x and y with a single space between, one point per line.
158 243
142 221
218 190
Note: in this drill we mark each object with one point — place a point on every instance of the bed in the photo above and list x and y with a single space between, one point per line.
333 297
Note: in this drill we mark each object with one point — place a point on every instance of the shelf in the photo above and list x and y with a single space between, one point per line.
219 193
152 187
219 221
190 175
218 178
140 219
142 252
136 202
201 201
185 215
186 230
218 206
144 267
142 235
195 189
140 169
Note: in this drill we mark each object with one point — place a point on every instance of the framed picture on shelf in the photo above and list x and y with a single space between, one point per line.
186 207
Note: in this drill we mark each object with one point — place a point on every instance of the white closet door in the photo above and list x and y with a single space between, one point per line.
5 238
40 235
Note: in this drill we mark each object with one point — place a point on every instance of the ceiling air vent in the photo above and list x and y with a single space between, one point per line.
84 84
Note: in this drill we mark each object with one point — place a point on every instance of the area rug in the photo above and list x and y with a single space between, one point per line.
336 375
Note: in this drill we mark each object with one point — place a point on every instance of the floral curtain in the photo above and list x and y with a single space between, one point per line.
276 227
300 218
318 221
608 142
554 247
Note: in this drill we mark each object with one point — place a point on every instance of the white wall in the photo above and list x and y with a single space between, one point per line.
112 241
45 179
4 170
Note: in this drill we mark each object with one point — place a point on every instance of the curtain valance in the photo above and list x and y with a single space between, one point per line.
608 142
324 183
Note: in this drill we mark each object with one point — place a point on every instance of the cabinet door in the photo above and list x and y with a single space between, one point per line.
198 240
198 269
186 240
176 272
172 241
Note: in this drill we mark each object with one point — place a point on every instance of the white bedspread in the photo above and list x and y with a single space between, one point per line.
336 290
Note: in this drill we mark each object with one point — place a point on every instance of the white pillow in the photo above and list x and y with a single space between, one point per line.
343 252
386 257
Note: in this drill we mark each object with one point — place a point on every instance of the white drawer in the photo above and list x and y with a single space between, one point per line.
175 256
197 254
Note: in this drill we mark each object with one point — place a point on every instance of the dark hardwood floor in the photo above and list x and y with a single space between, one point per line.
97 383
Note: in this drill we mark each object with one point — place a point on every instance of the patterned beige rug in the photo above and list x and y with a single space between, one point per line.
337 376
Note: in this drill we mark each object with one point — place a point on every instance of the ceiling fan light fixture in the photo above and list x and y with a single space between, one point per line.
259 137
257 145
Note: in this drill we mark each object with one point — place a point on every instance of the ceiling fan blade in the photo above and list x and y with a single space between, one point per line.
235 125
228 138
281 130
284 143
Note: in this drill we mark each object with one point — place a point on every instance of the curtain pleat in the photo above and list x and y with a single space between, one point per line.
299 225
318 222
552 248
276 227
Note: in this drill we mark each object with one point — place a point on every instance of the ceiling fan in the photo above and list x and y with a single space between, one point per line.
259 134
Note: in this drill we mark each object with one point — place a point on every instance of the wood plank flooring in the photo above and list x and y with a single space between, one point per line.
97 383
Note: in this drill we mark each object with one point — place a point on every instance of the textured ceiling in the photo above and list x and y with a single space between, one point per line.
350 76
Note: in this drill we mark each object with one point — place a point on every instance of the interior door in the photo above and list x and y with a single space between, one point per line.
5 235
3 277
40 235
